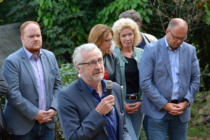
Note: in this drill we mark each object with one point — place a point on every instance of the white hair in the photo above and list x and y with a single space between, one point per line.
77 55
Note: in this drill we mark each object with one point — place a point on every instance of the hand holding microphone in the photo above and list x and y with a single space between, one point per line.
107 103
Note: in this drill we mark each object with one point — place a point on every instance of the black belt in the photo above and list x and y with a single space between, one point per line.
132 96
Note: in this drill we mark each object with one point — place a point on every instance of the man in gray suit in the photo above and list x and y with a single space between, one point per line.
33 79
85 110
169 78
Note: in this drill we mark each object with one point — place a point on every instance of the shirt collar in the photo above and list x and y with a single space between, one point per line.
29 54
92 89
168 47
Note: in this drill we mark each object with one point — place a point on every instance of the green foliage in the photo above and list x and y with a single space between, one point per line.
204 74
68 74
207 10
17 11
66 24
110 13
200 116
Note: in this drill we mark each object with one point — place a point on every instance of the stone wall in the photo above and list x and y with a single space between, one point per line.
9 40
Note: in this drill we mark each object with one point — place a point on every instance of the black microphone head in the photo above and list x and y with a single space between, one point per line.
109 87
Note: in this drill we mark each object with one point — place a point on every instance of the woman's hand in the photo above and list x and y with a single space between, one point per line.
132 108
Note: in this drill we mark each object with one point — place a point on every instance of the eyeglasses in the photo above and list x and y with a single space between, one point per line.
178 38
108 40
93 62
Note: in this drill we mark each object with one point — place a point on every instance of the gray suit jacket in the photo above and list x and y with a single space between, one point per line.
156 78
80 121
23 96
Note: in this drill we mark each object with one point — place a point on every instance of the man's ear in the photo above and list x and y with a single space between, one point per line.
78 68
21 38
167 31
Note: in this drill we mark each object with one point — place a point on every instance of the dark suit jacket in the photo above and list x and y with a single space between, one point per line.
156 78
3 85
23 96
78 118
3 91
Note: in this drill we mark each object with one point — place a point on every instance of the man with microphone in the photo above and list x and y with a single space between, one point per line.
87 110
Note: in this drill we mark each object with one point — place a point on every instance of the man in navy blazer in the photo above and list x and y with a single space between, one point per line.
33 79
85 110
169 79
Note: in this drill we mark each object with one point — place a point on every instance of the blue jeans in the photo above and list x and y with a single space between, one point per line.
157 129
134 123
38 132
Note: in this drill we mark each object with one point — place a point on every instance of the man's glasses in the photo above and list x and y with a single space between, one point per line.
93 62
178 38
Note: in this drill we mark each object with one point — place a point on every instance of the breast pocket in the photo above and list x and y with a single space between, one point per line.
53 71
51 74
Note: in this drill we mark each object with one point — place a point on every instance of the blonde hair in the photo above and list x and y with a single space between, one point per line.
98 34
121 24
23 26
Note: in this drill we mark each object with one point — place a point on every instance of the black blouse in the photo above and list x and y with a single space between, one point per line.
132 76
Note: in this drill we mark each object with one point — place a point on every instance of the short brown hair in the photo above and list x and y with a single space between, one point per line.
23 26
98 34
132 14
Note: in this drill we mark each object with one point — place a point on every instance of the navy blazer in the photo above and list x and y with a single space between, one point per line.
23 97
156 78
78 118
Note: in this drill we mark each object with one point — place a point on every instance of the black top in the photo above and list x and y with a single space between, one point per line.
132 76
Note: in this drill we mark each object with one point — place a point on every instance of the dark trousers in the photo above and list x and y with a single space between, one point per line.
38 132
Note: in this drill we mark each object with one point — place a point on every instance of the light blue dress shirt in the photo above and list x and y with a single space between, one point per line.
174 62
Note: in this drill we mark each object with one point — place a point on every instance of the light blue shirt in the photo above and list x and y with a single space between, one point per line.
174 62
39 75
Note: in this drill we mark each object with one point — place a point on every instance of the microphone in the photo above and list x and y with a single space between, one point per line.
109 91
109 87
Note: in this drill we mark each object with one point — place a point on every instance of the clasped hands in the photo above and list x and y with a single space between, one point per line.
45 116
176 109
132 108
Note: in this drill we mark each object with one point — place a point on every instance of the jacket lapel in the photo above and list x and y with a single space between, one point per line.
165 57
116 103
29 68
86 94
182 61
